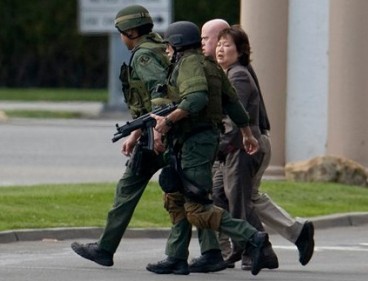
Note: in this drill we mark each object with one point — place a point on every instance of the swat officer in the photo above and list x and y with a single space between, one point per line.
147 69
193 133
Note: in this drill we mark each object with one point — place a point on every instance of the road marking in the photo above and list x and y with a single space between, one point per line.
361 247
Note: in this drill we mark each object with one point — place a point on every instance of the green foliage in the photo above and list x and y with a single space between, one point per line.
75 205
201 11
40 44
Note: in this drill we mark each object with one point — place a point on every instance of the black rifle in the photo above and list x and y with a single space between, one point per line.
145 122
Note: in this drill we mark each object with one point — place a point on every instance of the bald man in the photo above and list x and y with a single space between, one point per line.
209 33
298 231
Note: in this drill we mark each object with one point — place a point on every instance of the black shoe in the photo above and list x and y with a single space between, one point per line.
305 243
270 260
230 264
169 265
210 261
246 263
256 247
234 256
92 252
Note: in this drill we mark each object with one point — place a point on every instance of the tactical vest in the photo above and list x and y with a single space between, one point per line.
216 91
212 114
136 95
219 90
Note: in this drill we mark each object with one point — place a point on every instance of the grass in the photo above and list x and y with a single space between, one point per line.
72 205
42 114
45 94
87 204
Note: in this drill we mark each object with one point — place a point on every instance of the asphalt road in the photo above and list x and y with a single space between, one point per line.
34 151
341 255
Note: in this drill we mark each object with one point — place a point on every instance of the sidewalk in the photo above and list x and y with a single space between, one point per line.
88 109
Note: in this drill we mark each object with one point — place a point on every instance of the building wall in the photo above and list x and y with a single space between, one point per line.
348 100
311 58
307 79
266 23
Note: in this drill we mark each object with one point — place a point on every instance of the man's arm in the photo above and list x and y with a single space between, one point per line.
190 104
240 117
149 69
145 123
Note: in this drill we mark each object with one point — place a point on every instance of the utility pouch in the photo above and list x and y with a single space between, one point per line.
135 161
124 78
190 189
140 161
169 180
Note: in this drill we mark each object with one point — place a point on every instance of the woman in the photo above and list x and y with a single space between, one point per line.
234 177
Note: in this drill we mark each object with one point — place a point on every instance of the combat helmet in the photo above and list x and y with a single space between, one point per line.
182 34
131 17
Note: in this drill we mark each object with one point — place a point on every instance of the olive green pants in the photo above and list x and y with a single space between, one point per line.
129 191
197 155
181 231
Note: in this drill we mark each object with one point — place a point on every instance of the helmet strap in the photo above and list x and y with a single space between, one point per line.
177 55
130 36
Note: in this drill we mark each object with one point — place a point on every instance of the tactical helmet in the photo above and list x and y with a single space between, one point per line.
131 17
182 33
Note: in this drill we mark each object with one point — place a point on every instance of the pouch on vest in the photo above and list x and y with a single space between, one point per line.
124 78
135 93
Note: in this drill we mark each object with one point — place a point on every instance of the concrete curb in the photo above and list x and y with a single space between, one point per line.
75 233
321 222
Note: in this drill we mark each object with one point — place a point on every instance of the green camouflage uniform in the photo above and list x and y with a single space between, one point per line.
148 67
204 91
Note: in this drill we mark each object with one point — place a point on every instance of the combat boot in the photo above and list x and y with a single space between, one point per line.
168 266
92 252
255 247
236 255
210 261
270 260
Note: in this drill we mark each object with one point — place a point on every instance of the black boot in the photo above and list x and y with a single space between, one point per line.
270 260
92 252
246 262
255 248
210 261
236 255
169 265
305 243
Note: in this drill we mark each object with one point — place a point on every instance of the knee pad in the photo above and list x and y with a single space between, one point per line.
174 204
203 216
